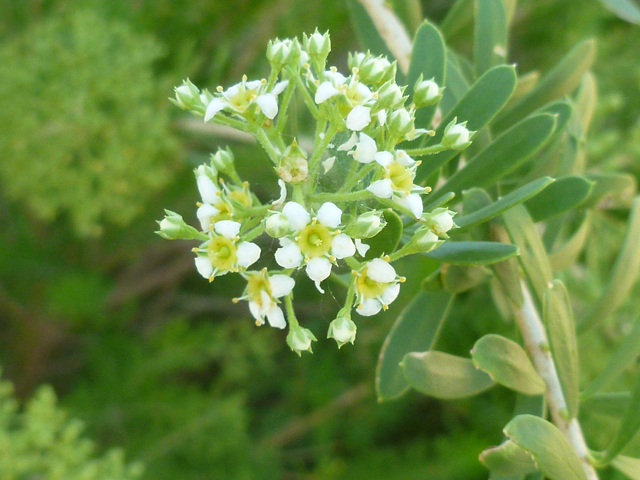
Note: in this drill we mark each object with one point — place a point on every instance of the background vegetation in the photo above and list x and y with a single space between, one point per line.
156 361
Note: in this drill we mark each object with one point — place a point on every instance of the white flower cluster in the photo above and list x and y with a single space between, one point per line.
360 121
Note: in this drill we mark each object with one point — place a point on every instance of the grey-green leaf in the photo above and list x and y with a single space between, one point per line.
612 187
490 42
623 277
612 404
560 81
415 329
628 465
473 253
565 194
626 9
444 376
566 255
508 364
459 278
553 454
508 459
561 329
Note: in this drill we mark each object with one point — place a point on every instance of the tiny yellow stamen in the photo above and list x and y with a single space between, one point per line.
361 306
235 300
333 69
245 184
264 270
263 81
219 88
236 238
244 78
432 133
195 250
198 204
258 323
211 278
385 306
354 272
427 189
375 95
355 70
387 258
332 258
402 279
306 65
418 163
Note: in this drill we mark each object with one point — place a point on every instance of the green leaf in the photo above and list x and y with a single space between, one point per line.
490 43
473 253
429 58
565 194
566 255
387 240
610 186
524 85
510 200
625 355
459 16
458 278
409 12
561 329
444 376
479 105
508 459
627 465
552 452
504 154
613 404
586 101
508 364
623 277
626 9
416 329
560 81
455 83
533 257
629 425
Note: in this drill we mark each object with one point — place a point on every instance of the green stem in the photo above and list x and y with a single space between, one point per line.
262 138
252 211
298 195
352 182
353 263
344 197
321 147
241 125
416 152
311 104
284 106
291 316
340 281
252 234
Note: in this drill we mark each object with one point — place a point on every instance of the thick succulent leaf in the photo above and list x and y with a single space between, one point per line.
503 155
625 355
623 277
501 205
560 81
553 454
444 376
508 364
612 404
480 104
386 241
490 40
429 59
533 258
628 465
628 10
473 253
508 459
566 255
415 329
611 189
458 278
561 330
565 194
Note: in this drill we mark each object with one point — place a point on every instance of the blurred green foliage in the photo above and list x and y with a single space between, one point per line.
155 360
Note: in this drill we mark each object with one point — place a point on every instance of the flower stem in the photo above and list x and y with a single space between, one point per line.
291 315
417 152
306 96
353 181
344 197
261 136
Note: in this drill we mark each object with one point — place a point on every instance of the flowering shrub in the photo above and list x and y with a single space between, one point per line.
361 120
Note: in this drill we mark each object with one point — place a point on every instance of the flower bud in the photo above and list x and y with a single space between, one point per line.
366 225
283 52
342 329
371 70
173 227
456 136
293 166
318 47
426 92
441 221
223 160
277 225
425 240
187 95
299 339
401 122
390 96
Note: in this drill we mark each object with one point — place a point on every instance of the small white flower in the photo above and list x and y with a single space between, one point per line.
359 118
262 293
207 188
289 254
381 188
325 91
242 95
382 117
442 222
318 269
342 329
215 105
366 149
376 286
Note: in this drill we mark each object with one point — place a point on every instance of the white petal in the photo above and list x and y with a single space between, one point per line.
368 307
381 188
366 149
364 91
254 308
208 190
380 271
279 87
325 91
253 84
328 164
384 158
390 293
342 246
232 91
444 221
382 117
204 267
414 202
336 77
227 228
289 255
276 317
329 215
318 269
361 247
404 159
268 104
349 144
296 214
248 253
358 118
283 193
204 214
213 108
281 285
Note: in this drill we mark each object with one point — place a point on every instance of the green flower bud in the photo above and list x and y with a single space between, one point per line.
342 329
366 225
173 227
223 160
277 225
426 92
441 221
187 95
401 122
318 47
371 70
283 52
425 240
299 339
456 136
390 96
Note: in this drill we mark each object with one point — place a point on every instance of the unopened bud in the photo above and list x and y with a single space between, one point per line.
390 95
283 52
371 70
457 136
223 160
401 122
187 95
441 221
318 47
277 225
426 92
299 339
342 329
425 240
173 227
366 225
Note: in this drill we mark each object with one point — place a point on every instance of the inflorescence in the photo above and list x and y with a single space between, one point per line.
360 120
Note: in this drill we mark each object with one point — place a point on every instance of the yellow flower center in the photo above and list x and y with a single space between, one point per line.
370 288
255 285
241 100
222 253
315 240
400 177
241 196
